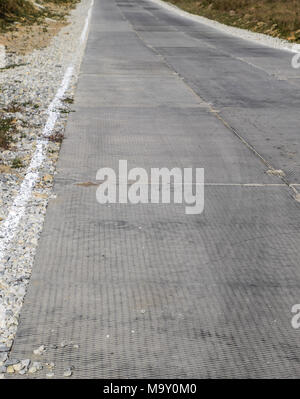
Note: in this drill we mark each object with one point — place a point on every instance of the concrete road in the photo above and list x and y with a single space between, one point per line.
146 290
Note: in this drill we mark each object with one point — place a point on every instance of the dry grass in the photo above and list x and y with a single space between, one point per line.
27 12
278 18
17 10
10 8
26 25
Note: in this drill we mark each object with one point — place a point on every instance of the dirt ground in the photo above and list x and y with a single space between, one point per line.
22 37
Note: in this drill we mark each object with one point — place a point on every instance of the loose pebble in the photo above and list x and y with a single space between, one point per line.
10 369
32 370
37 365
40 350
17 367
23 371
68 372
11 362
25 362
26 93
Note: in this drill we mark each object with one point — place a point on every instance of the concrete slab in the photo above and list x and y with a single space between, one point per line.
135 90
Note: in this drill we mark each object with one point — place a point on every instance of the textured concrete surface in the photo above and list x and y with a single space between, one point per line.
145 290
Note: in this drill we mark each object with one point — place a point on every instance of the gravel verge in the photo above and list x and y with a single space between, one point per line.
242 33
28 86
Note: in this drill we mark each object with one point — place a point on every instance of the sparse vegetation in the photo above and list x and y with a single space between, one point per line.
6 125
17 163
26 12
56 137
13 107
10 66
17 10
68 100
278 18
65 110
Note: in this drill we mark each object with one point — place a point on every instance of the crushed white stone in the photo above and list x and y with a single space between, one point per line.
68 372
31 86
40 350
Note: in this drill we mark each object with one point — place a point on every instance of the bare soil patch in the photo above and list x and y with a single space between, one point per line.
28 25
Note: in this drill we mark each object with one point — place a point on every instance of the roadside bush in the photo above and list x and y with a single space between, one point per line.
16 8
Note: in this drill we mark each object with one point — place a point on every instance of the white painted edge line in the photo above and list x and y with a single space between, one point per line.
8 228
2 56
53 114
84 33
245 34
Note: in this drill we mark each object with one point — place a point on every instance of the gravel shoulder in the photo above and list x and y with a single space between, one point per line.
242 33
28 87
